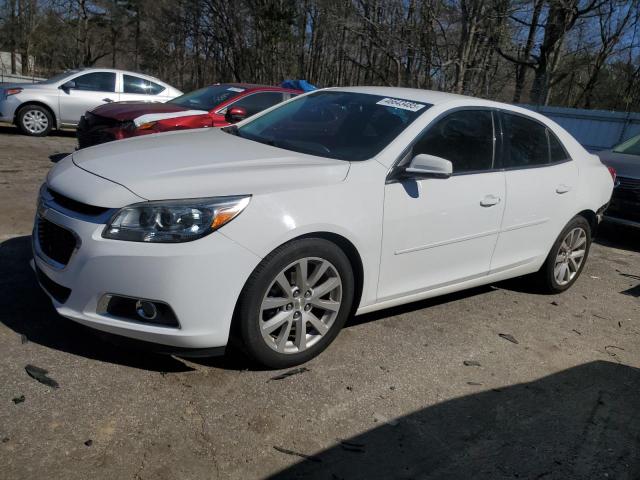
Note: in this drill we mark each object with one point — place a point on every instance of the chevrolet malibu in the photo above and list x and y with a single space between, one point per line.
338 202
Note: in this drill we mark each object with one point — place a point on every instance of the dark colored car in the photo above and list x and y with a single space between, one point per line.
625 203
214 106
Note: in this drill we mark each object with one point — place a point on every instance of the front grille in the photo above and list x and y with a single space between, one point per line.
57 291
625 201
627 189
93 130
75 206
55 242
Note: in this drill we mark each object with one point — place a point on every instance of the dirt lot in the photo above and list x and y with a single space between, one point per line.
391 398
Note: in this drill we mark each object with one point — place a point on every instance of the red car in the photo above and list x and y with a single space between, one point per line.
214 106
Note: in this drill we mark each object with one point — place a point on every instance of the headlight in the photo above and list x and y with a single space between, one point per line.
173 221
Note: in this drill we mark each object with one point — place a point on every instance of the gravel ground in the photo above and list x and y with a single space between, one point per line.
391 398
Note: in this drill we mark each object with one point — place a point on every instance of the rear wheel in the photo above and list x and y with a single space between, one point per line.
296 302
35 120
567 257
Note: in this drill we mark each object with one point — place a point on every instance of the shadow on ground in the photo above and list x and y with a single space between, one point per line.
12 130
581 423
26 310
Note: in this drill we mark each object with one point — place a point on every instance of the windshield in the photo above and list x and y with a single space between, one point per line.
60 76
341 125
207 98
630 147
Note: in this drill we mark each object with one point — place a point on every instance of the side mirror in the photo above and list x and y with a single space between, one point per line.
235 114
68 85
429 166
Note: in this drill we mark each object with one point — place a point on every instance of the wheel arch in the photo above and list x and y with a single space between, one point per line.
40 104
591 217
352 254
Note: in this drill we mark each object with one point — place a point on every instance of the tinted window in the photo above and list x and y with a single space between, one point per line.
334 124
556 150
630 147
207 98
464 137
140 85
96 82
257 102
525 142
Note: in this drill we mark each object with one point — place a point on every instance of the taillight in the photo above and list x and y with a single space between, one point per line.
12 91
612 171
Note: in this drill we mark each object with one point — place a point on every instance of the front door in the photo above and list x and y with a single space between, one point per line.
89 91
438 232
541 183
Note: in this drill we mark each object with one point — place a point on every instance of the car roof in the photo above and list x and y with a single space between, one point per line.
433 97
415 94
115 70
255 86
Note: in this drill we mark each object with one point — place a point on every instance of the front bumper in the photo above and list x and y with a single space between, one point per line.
8 106
200 280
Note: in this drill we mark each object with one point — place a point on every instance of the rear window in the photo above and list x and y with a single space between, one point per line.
333 124
207 98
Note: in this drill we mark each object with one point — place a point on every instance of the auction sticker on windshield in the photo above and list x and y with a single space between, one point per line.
403 104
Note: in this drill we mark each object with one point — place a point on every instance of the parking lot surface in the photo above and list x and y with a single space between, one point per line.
496 382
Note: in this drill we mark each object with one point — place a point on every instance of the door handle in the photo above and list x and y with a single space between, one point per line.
108 100
490 200
562 188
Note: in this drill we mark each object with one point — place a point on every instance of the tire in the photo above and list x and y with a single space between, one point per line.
553 276
318 313
34 120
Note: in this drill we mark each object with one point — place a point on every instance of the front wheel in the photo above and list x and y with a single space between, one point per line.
567 257
35 120
295 302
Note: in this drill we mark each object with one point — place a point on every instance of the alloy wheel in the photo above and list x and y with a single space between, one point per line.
300 305
570 256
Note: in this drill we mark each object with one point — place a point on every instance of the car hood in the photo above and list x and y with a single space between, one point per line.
123 111
205 163
625 165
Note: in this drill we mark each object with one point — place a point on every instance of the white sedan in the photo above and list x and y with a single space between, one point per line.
339 202
60 101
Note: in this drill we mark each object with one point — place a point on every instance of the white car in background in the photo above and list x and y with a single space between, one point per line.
61 100
341 201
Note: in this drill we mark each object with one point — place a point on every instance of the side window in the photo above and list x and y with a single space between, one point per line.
526 142
557 152
257 102
464 137
140 86
96 82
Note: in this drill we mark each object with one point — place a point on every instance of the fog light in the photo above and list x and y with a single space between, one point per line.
137 309
146 310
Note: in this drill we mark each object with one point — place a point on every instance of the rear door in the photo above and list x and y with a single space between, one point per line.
438 232
136 88
90 90
541 179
